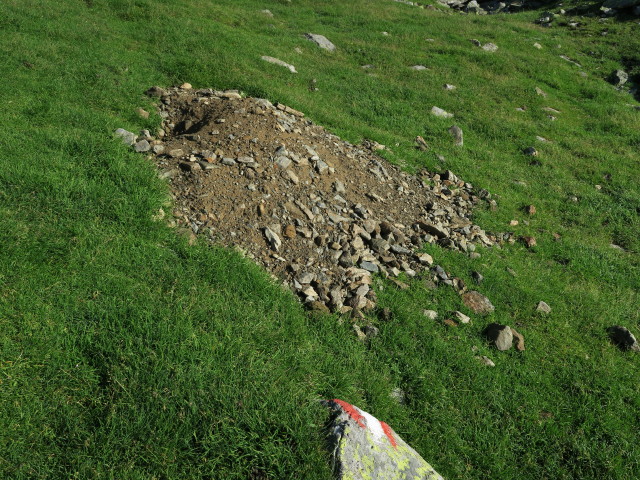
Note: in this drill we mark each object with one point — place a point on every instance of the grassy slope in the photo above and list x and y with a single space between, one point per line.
126 353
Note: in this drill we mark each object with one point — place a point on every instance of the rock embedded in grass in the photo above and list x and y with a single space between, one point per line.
457 134
478 303
438 112
128 138
500 335
363 447
623 338
619 78
485 360
542 307
279 62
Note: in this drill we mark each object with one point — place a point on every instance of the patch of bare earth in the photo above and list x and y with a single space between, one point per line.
321 214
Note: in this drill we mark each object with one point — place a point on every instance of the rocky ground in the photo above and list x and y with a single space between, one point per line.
321 214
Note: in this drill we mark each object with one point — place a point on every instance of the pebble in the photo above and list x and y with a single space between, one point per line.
142 146
462 318
485 360
529 241
128 138
289 231
272 238
456 132
369 266
438 112
276 61
500 336
542 307
430 314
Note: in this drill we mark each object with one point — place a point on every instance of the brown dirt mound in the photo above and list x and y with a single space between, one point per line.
320 213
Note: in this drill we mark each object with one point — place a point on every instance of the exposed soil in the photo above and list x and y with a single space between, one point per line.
321 214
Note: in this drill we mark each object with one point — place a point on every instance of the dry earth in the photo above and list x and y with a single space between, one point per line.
321 214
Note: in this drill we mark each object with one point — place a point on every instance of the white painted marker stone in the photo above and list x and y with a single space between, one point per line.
366 448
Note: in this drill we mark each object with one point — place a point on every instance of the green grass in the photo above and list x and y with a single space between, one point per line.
126 353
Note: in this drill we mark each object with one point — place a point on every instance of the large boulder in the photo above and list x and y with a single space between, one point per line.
366 448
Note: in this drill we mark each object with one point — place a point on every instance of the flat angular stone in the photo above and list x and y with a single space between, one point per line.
276 61
438 112
142 146
500 335
543 307
321 41
273 238
478 303
485 361
366 448
128 138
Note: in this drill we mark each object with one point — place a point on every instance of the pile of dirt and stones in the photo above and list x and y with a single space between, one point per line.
319 213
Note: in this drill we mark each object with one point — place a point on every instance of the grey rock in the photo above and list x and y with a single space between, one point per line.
176 153
398 395
338 186
485 360
321 166
458 137
418 68
158 149
306 278
370 331
477 277
276 61
365 448
542 307
321 41
430 314
142 146
461 317
283 162
228 161
499 335
619 78
272 238
490 47
128 138
369 266
623 338
438 112
474 7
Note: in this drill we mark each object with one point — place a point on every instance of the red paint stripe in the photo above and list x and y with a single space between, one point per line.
352 412
389 433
